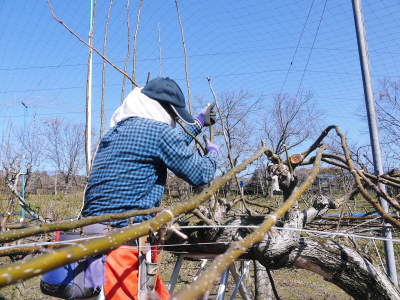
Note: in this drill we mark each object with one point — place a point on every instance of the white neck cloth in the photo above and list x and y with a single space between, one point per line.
137 104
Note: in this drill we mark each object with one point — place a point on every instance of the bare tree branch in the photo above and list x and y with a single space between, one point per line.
128 51
103 74
13 235
363 191
186 58
160 49
84 42
138 14
221 262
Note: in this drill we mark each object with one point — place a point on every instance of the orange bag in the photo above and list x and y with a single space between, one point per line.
121 275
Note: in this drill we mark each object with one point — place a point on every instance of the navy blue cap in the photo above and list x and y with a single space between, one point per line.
167 91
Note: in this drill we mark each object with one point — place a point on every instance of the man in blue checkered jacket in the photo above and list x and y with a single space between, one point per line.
129 171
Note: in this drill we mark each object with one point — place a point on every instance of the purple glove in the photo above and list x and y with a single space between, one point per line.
207 116
211 147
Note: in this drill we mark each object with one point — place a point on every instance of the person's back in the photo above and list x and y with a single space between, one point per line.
130 166
129 171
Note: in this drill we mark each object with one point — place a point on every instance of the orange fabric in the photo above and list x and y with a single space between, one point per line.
121 275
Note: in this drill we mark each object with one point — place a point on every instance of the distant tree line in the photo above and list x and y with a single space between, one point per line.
51 152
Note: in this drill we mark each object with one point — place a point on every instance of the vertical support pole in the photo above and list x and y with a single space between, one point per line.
239 281
88 129
23 163
55 183
373 130
203 264
175 274
147 269
222 285
206 295
23 182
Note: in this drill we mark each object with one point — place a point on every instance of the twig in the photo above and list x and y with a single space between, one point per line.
128 50
259 204
186 57
13 235
318 141
148 77
159 48
103 73
383 178
25 250
340 219
227 144
138 14
202 217
6 215
379 191
194 137
84 42
288 160
271 280
363 191
24 204
273 157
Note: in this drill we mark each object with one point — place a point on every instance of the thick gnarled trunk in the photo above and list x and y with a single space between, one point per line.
284 247
345 267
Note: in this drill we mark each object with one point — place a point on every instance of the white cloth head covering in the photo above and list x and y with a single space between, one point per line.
137 104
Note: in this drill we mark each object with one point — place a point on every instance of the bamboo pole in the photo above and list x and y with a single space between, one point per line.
41 264
222 262
135 35
159 49
84 42
186 58
128 50
88 127
103 74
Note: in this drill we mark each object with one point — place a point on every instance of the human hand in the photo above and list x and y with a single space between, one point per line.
210 146
207 116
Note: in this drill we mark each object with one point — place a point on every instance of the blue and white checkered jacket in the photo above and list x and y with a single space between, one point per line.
130 167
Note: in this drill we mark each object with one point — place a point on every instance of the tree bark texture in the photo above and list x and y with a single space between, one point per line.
263 288
343 266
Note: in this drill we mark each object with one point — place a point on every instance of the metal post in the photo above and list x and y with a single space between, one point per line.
239 281
203 264
222 285
373 130
175 274
88 131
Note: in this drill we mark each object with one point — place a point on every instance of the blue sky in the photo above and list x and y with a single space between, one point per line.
241 44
